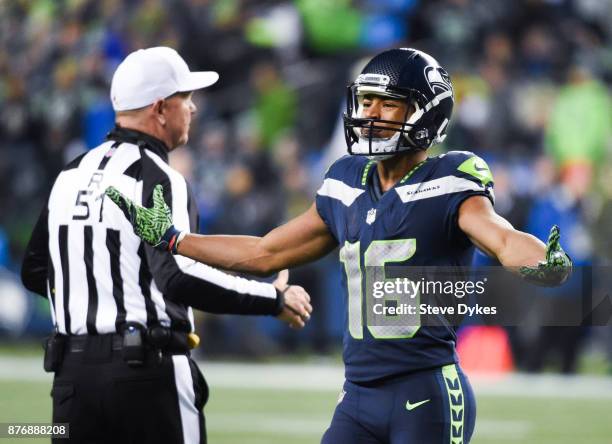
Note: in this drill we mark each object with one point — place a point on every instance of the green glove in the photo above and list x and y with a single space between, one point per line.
153 225
555 269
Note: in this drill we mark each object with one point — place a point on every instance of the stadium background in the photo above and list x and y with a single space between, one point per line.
532 82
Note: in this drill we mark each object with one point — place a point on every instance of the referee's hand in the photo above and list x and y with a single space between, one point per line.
297 308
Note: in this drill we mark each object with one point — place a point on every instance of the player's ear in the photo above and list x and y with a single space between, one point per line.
158 111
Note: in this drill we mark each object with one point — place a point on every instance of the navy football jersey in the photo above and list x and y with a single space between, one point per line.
412 224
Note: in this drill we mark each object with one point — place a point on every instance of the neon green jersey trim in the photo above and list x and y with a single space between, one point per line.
411 172
478 168
364 177
455 402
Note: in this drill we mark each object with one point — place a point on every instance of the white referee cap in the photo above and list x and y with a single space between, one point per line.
147 75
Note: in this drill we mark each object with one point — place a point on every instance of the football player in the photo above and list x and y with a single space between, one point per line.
385 203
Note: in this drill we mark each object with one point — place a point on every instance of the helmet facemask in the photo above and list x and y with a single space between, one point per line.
360 132
402 74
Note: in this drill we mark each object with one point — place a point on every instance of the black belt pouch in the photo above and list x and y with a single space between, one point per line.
54 352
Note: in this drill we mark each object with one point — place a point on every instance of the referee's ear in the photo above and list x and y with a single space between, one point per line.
158 111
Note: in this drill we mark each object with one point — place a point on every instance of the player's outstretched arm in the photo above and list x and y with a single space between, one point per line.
525 254
301 240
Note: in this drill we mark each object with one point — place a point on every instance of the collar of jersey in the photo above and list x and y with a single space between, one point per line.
143 140
372 174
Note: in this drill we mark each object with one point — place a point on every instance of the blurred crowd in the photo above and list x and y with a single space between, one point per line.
532 81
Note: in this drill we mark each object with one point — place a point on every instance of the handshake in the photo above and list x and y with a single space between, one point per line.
154 226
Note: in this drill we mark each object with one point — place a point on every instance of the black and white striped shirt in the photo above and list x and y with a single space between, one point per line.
98 274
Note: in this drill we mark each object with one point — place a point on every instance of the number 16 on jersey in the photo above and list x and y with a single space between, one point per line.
380 323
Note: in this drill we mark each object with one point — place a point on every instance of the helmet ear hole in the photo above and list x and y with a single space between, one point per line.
420 137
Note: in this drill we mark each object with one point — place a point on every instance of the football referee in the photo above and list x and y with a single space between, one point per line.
121 310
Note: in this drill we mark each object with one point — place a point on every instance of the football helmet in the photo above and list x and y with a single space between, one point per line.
405 74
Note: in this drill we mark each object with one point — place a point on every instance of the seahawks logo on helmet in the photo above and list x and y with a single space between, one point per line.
438 79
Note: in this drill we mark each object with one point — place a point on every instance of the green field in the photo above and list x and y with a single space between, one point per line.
268 415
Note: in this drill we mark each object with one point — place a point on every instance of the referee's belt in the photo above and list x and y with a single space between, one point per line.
155 338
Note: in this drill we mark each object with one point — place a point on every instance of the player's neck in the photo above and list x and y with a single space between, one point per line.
392 170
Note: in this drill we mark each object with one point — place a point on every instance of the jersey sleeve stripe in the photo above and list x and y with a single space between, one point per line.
337 189
436 187
224 280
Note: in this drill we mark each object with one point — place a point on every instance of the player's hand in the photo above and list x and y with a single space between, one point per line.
297 308
153 225
555 269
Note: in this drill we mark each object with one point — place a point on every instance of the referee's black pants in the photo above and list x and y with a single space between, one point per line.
106 401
